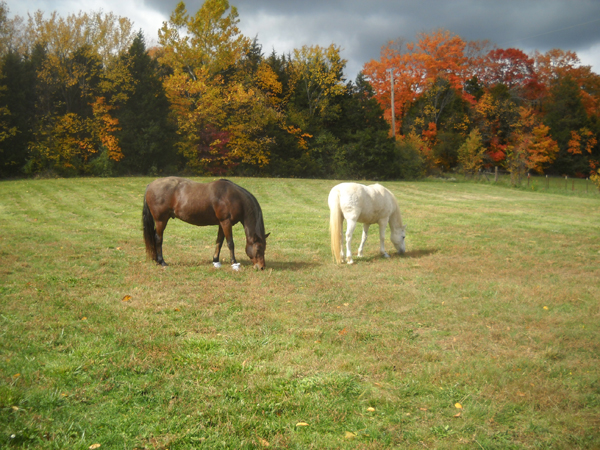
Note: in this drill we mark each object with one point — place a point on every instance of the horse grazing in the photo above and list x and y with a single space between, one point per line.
221 203
367 205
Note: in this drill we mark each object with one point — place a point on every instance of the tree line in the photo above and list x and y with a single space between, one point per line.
84 95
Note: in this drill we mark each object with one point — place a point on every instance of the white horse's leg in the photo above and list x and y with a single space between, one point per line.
364 239
351 225
382 226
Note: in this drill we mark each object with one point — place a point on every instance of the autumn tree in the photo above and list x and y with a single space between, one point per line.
531 147
219 116
495 115
79 69
318 73
514 69
418 65
470 153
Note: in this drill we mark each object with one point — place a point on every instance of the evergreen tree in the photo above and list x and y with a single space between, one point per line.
147 136
17 98
564 112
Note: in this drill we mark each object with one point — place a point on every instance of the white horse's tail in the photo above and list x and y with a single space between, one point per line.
336 220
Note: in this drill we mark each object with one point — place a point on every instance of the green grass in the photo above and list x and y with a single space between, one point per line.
494 306
572 186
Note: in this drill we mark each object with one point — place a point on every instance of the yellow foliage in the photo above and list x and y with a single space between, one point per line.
470 154
318 70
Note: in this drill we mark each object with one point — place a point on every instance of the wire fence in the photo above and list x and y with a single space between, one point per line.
549 183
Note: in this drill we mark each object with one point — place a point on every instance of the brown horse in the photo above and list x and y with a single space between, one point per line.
221 203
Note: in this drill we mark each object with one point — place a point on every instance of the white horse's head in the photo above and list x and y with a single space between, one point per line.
397 238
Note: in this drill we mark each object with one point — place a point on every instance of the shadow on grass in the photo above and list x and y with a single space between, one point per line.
291 266
412 254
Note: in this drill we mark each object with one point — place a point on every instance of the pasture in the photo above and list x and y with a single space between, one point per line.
484 335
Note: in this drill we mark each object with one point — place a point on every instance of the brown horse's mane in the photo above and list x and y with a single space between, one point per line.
254 213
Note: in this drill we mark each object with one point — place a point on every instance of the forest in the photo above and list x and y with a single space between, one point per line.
84 95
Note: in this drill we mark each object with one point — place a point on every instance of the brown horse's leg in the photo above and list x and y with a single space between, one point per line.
226 226
220 239
160 229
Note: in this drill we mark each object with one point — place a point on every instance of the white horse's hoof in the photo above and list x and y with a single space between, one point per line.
217 265
385 255
236 267
350 262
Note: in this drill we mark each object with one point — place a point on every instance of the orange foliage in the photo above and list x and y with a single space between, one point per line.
557 63
430 134
106 125
576 147
439 54
299 135
533 147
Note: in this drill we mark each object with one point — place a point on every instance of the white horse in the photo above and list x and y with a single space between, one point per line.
367 205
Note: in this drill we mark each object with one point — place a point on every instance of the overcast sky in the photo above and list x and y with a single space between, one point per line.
361 27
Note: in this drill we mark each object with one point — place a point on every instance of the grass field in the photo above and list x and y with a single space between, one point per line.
484 335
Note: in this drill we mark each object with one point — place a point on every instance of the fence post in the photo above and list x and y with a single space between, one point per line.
586 185
528 175
547 182
566 187
496 174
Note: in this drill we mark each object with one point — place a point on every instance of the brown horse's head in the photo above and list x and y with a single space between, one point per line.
255 249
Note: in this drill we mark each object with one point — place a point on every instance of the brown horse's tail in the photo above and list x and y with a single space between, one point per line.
149 231
336 220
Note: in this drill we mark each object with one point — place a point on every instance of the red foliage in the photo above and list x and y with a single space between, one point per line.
212 150
514 69
497 151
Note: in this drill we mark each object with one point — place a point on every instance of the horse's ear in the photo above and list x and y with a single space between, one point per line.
267 235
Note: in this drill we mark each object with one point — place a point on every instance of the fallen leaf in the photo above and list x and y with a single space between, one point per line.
118 248
545 307
423 409
346 304
342 332
520 394
301 424
126 298
458 406
457 415
84 318
16 375
263 442
349 435
15 408
93 446
371 409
